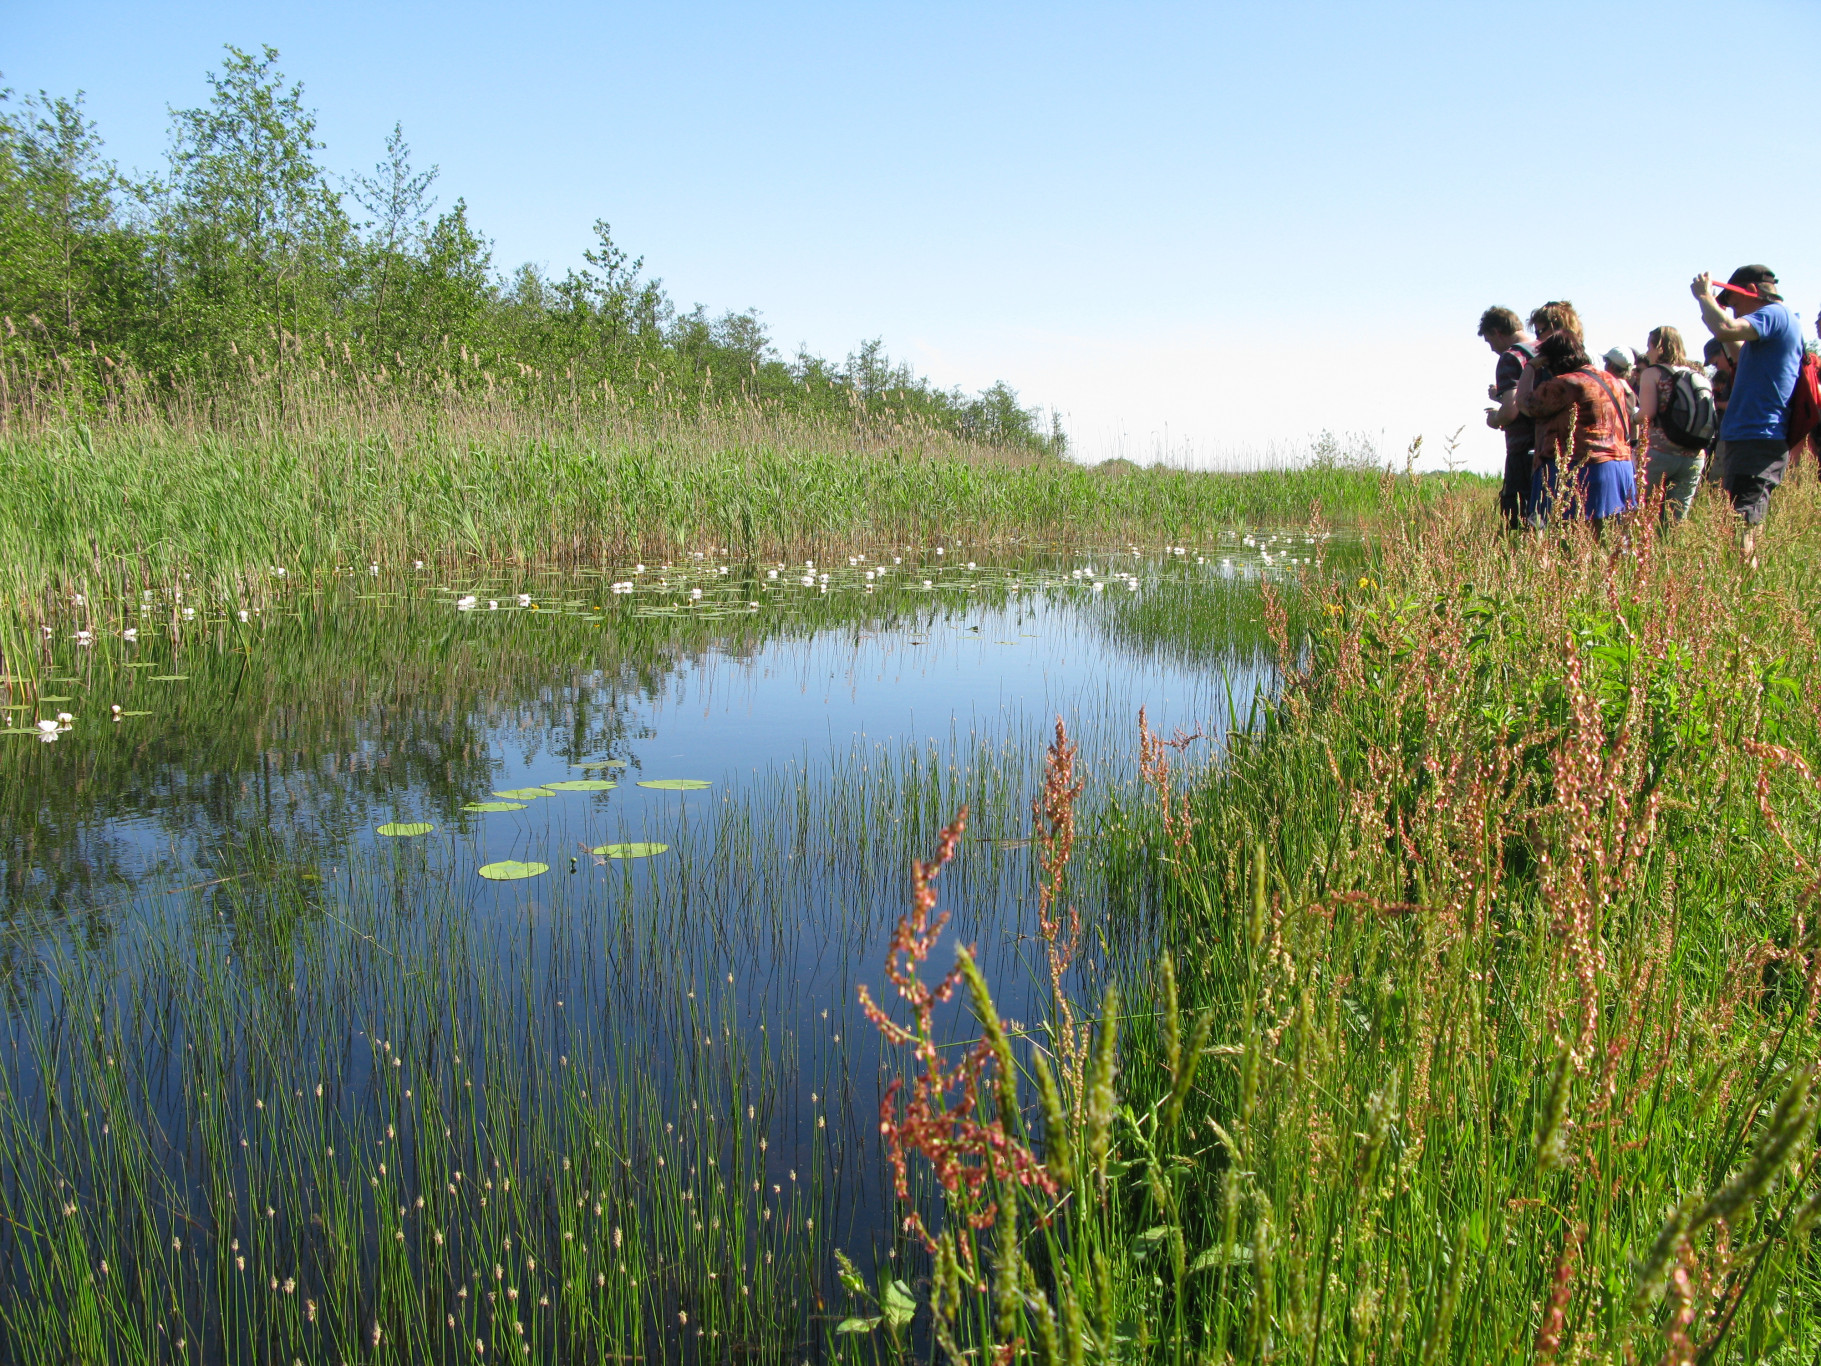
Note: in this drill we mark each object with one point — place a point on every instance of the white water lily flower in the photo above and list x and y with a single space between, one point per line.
188 613
897 559
84 638
417 564
970 564
465 604
695 595
524 599
131 633
373 569
638 569
1098 587
869 576
47 727
280 571
245 615
809 580
940 551
116 710
928 584
81 601
48 633
492 605
771 573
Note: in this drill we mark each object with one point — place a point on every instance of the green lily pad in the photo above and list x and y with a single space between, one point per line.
142 664
582 785
520 794
64 680
629 850
603 763
168 678
54 697
133 713
678 784
20 730
405 828
511 870
494 806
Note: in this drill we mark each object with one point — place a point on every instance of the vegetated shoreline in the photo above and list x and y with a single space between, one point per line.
109 510
1491 1024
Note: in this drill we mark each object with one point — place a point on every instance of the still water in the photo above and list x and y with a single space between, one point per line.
253 1042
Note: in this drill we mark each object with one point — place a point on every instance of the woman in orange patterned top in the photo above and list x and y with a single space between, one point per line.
1583 427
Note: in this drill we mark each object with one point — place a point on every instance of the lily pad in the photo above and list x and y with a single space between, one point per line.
520 794
582 785
511 870
20 730
494 806
133 713
54 697
143 664
629 850
603 763
405 828
167 678
678 784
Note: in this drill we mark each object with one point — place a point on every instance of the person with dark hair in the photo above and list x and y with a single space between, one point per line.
1674 468
1747 315
1583 432
1504 334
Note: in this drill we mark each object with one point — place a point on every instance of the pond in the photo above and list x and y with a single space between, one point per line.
424 969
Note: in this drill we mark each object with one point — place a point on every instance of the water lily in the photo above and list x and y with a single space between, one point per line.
809 580
245 615
417 564
116 710
492 605
695 595
280 571
897 559
131 633
84 638
638 569
373 570
928 584
771 573
81 601
48 727
465 604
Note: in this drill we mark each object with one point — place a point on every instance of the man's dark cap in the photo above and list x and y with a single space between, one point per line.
1760 281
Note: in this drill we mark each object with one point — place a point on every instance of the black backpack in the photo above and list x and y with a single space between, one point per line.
1691 418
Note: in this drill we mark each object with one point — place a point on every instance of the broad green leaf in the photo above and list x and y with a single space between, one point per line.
406 828
858 1325
899 1304
629 850
678 784
494 806
603 763
167 678
582 785
511 870
520 794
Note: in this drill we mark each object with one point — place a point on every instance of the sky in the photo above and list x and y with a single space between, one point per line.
1200 232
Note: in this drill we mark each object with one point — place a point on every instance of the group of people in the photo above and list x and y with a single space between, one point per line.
1574 433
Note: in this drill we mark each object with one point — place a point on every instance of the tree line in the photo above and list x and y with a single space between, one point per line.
249 263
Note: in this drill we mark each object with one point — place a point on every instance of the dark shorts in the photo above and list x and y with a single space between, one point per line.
1749 471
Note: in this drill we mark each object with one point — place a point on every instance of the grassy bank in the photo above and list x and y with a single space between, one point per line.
1492 1030
111 510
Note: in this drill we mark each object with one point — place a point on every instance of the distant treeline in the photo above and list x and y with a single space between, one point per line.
251 268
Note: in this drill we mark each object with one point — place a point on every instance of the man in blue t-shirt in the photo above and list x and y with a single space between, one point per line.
1747 315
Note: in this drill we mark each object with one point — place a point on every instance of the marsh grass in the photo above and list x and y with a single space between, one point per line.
1490 1031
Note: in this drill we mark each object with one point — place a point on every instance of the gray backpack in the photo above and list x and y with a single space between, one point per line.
1690 418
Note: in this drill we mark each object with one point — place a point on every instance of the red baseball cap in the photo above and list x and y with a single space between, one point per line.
1747 290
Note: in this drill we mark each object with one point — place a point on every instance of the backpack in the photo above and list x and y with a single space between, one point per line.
1804 411
1690 418
1619 405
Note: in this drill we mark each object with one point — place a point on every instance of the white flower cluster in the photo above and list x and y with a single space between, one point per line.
623 586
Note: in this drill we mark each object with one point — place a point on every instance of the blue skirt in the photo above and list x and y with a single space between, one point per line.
1600 491
1607 489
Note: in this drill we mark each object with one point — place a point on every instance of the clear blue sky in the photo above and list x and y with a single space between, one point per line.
1219 227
